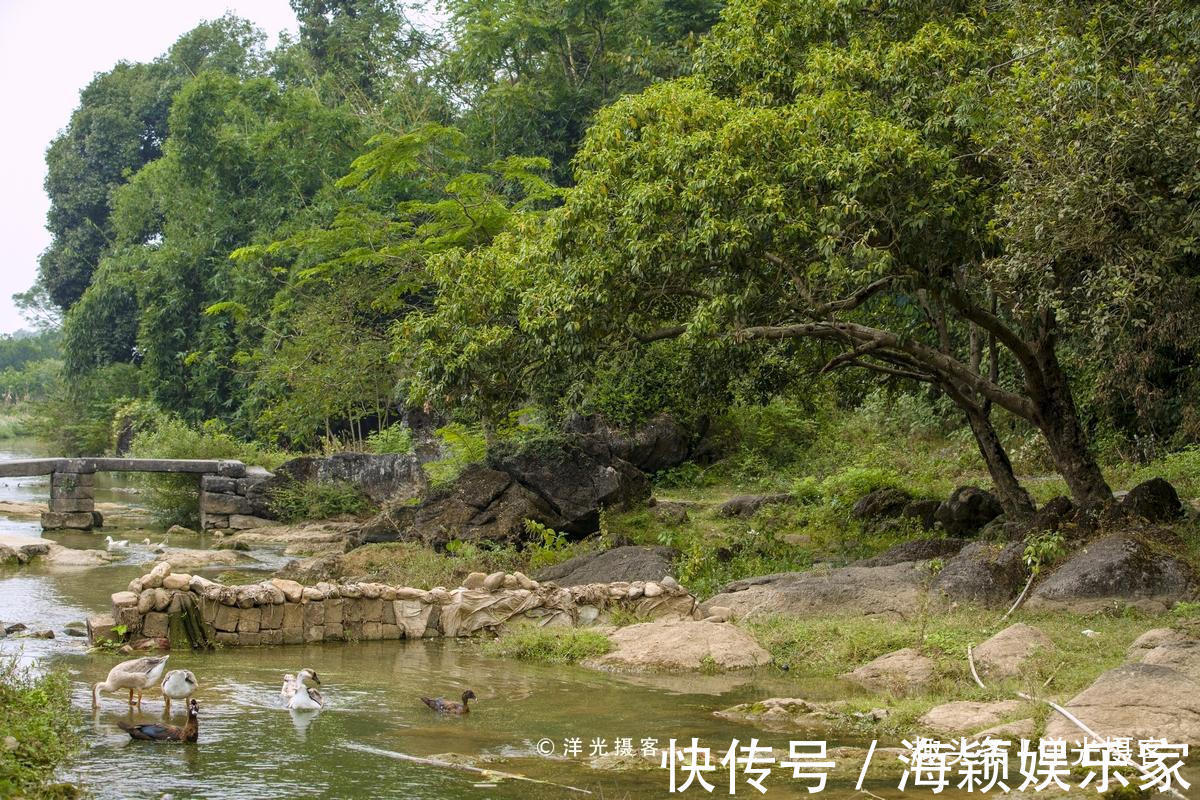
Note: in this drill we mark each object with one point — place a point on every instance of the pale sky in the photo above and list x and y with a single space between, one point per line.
49 50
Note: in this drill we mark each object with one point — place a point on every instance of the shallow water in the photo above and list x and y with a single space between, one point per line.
252 747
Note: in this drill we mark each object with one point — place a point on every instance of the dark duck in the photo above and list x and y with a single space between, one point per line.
443 706
157 732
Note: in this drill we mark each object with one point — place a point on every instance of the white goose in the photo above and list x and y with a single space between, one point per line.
113 544
138 673
299 691
180 684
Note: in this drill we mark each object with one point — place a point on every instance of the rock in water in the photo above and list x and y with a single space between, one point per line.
678 646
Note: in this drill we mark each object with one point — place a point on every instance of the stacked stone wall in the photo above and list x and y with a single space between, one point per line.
278 611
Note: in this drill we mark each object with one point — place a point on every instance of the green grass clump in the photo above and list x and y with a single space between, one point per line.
36 712
549 645
301 500
420 566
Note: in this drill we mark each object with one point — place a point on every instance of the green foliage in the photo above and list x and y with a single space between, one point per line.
296 501
35 711
396 438
174 499
1042 550
549 547
548 646
463 445
75 415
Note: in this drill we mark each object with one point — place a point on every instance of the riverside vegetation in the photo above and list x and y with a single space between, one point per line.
846 246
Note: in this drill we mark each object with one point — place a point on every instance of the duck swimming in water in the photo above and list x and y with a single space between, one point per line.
300 692
157 732
180 684
113 544
443 706
138 673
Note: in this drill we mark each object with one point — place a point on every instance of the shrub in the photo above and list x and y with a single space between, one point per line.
392 439
174 499
549 646
463 446
300 500
36 711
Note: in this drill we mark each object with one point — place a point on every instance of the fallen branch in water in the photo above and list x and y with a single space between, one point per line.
433 762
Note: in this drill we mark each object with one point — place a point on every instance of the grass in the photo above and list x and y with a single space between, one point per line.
548 645
827 647
36 712
415 564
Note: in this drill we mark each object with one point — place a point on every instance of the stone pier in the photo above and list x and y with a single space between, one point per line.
279 611
72 497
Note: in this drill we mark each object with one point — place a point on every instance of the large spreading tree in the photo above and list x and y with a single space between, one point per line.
948 193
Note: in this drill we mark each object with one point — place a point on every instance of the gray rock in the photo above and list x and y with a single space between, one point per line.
891 591
924 511
902 671
984 573
1142 701
1006 654
967 510
1154 500
965 716
747 505
630 563
670 513
1116 569
381 477
660 443
914 550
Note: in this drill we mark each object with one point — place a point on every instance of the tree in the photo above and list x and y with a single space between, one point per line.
120 126
531 73
873 176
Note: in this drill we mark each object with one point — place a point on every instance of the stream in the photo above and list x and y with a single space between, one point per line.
252 747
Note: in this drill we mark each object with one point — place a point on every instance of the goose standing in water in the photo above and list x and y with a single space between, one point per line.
112 544
138 673
300 692
443 706
156 732
180 684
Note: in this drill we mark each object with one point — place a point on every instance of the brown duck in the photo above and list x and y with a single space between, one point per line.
443 706
156 732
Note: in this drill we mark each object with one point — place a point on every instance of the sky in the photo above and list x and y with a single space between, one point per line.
48 52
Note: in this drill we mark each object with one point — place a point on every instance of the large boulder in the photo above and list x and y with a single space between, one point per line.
658 444
881 504
629 563
983 573
923 511
1155 638
678 646
577 477
901 672
1006 654
381 477
562 484
1154 500
889 591
967 510
1142 701
1118 568
914 550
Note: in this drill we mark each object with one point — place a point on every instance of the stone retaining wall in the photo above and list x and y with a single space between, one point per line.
280 611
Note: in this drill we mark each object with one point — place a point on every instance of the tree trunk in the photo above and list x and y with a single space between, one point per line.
1058 420
1012 496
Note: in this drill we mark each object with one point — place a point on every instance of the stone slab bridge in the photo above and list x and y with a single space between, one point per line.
73 481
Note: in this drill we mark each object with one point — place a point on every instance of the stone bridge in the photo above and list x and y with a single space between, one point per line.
73 483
